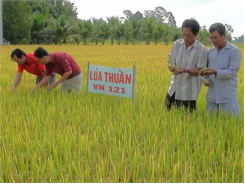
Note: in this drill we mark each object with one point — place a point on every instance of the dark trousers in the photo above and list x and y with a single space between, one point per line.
170 100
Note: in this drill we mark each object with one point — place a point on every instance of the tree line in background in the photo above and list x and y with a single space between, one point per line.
55 21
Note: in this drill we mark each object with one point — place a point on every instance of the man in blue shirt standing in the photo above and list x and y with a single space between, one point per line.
224 60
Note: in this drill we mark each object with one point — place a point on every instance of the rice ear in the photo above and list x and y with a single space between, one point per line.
201 71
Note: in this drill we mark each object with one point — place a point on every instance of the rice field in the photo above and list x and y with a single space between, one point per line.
56 137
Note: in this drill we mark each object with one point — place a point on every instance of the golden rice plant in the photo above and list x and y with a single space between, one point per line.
56 137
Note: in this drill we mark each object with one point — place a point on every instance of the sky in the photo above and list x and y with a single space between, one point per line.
206 12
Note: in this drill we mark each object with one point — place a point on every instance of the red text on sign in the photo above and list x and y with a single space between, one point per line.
117 90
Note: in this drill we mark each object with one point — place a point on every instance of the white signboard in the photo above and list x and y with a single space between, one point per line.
111 81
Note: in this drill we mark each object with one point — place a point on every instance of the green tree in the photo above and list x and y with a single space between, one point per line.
17 21
160 14
167 38
96 30
159 31
105 32
38 25
137 30
240 39
134 26
148 29
113 22
46 36
120 33
149 14
127 15
128 31
63 31
66 7
203 36
39 22
56 8
175 32
38 5
62 7
85 30
171 19
138 15
229 31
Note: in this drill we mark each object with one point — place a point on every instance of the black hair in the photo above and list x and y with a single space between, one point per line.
191 23
40 52
18 52
217 27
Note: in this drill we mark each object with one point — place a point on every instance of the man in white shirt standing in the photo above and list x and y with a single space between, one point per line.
224 61
189 57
